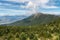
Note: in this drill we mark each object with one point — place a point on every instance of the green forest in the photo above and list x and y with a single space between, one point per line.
50 31
35 27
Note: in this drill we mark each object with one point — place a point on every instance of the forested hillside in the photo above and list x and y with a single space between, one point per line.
35 27
36 19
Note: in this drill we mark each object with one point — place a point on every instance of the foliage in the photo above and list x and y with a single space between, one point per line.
46 27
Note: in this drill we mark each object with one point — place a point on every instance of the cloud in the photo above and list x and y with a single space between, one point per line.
52 12
34 4
37 3
13 5
31 6
10 12
48 7
54 3
18 0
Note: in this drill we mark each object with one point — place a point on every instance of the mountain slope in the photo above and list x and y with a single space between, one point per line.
36 19
10 19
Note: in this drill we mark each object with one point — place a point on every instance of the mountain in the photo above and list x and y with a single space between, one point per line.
36 19
10 19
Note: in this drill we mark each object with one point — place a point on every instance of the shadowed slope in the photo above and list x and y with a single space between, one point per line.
36 19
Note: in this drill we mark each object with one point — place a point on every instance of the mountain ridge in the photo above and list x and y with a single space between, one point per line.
36 19
10 19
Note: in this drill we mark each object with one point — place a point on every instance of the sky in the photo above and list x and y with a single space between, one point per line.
28 7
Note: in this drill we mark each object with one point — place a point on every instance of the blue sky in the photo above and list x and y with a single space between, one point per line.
27 7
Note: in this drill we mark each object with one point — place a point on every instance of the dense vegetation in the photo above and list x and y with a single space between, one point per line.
49 30
43 32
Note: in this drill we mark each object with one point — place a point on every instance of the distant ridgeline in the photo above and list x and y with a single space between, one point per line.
36 20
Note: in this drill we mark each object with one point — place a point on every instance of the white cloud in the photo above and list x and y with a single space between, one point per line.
43 4
51 7
33 5
30 4
52 12
10 12
48 7
18 0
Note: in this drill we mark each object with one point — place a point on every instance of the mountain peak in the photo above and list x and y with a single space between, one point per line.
36 15
36 19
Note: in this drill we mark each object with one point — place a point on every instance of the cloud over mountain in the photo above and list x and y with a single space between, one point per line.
14 7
